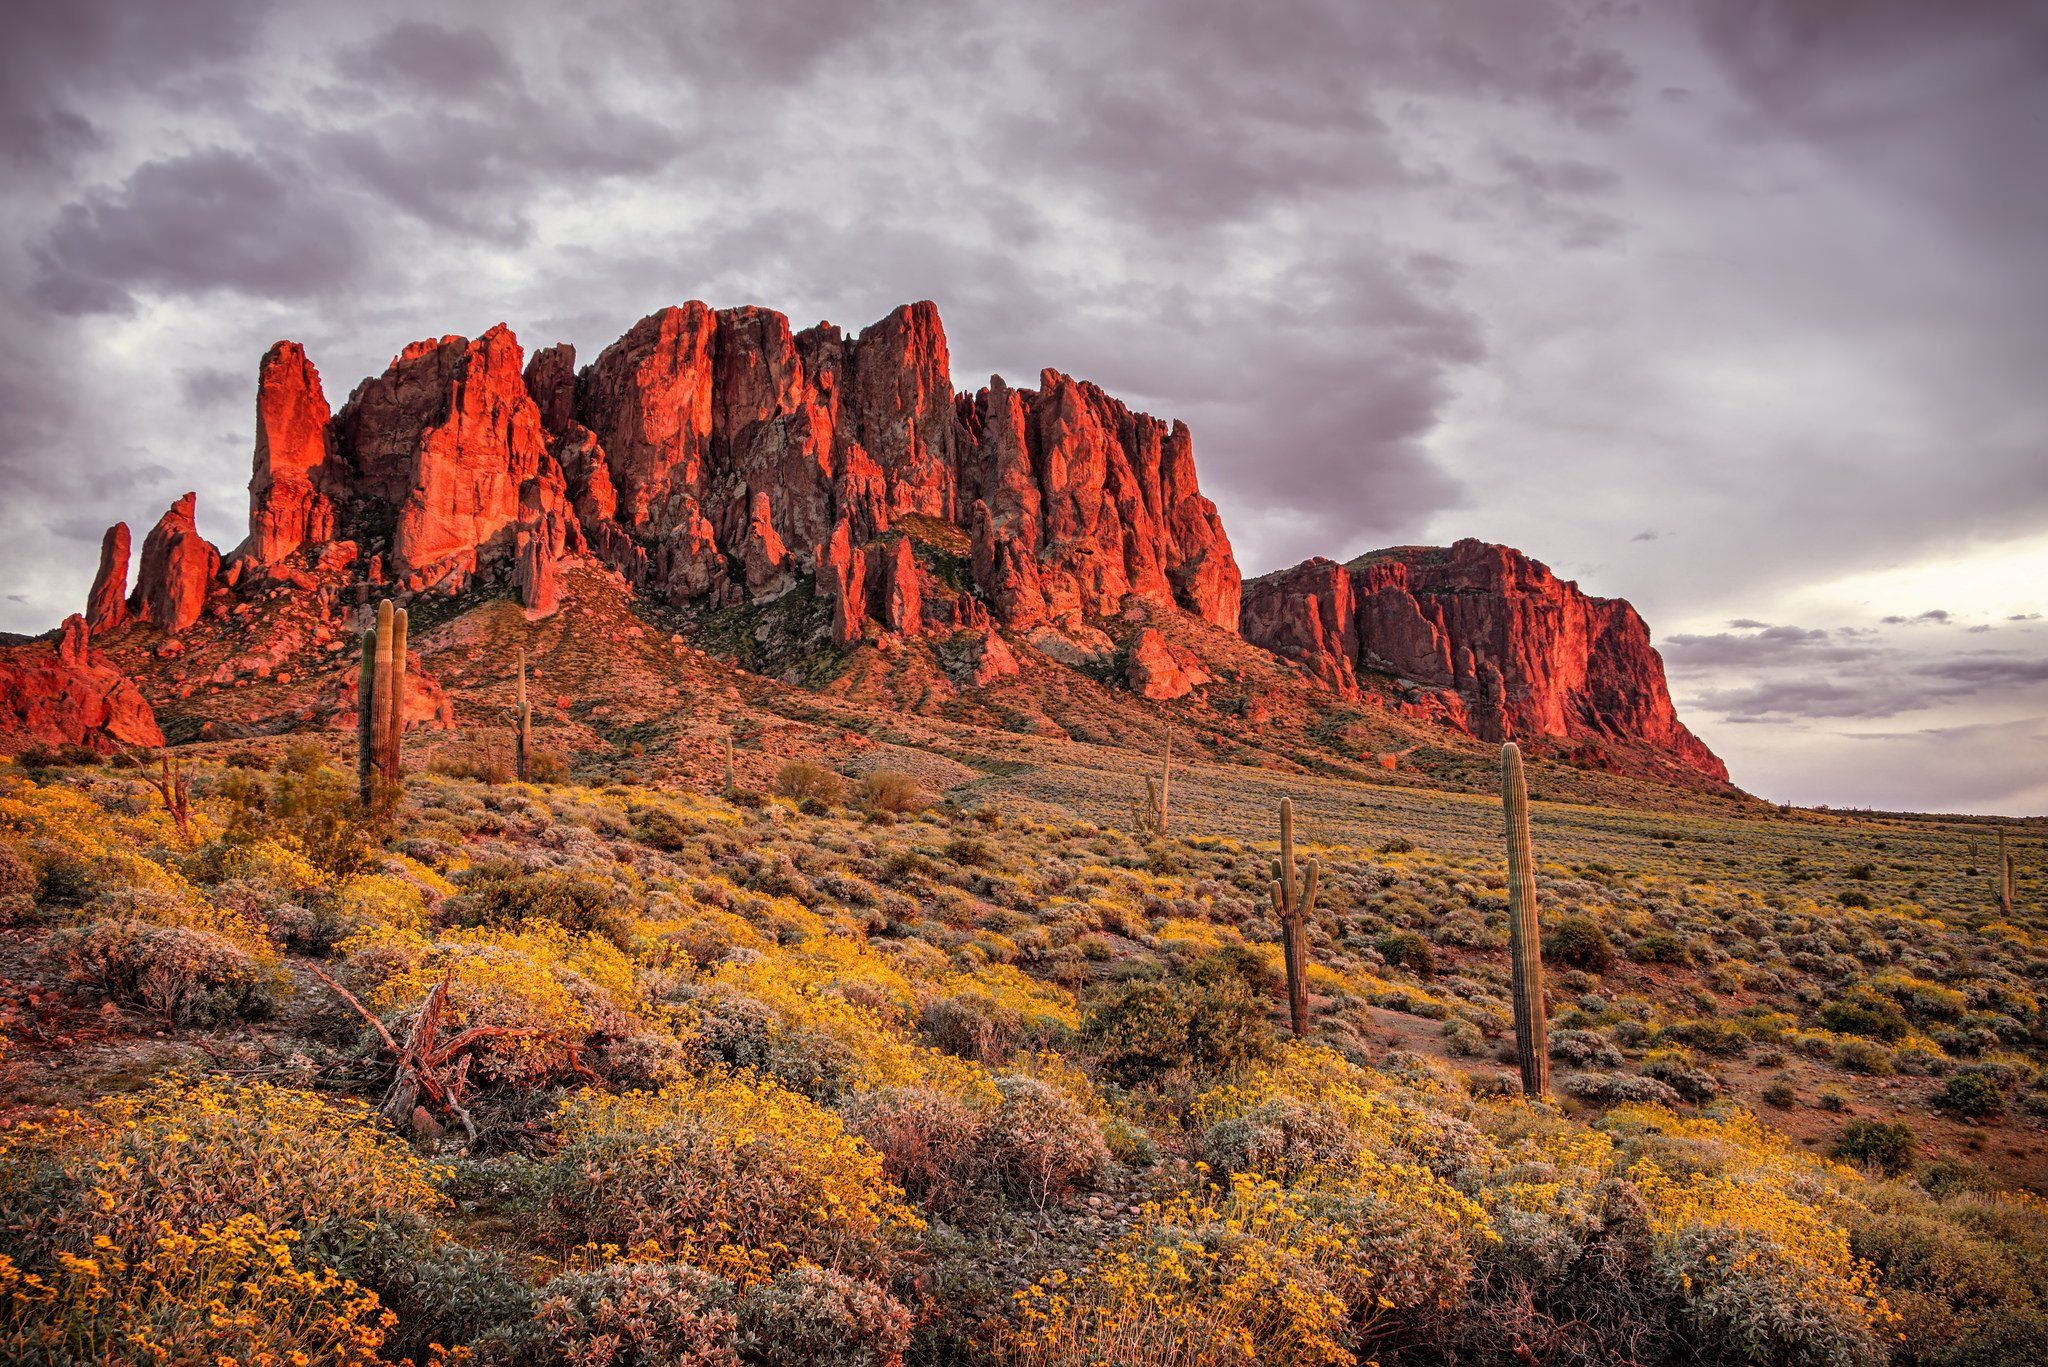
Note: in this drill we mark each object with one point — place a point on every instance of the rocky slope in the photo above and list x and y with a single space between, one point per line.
810 494
66 693
1481 637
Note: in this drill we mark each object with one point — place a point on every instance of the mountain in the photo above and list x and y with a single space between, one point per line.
826 510
1482 638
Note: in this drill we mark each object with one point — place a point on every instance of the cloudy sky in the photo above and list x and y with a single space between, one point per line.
1738 309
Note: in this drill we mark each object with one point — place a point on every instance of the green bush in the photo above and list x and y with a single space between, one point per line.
501 892
1406 949
1211 1021
1576 941
1865 1013
1972 1094
1884 1145
441 1291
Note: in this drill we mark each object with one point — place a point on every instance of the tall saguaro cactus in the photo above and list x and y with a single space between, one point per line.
1294 899
522 727
2004 876
1532 1050
1159 794
380 702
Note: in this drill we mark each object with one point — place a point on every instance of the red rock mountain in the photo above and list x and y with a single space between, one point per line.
715 455
718 457
1482 637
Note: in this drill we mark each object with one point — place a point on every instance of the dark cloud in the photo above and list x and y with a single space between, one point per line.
194 224
430 59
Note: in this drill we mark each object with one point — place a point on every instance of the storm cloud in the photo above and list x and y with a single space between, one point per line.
1705 304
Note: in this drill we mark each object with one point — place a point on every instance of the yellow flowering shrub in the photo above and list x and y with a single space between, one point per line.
558 988
732 1173
1252 1273
224 1293
856 1047
186 1152
381 899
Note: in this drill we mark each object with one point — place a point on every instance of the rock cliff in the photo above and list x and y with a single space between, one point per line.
68 693
1482 637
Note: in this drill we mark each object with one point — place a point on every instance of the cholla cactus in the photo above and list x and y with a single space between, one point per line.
1531 1033
1294 898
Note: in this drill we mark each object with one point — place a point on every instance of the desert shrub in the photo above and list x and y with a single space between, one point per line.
1576 941
639 1314
1250 1273
503 893
1674 1068
1043 1143
736 1174
478 761
1211 1021
1884 1145
1583 1049
183 976
1865 1013
1972 1094
17 885
556 993
1406 949
1609 1089
810 1316
932 1142
547 766
975 1026
441 1292
222 1293
1661 947
1282 1137
184 1153
1780 1095
1864 1056
1463 1038
802 781
886 790
1964 1299
318 813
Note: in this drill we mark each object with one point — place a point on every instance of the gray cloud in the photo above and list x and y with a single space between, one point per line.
189 225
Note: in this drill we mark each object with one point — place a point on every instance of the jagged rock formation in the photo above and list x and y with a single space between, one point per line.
1484 638
106 607
718 456
68 693
177 571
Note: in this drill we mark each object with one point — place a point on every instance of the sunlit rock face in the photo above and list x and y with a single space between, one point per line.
718 455
1489 639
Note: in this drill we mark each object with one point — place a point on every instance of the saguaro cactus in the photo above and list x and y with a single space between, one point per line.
522 727
1159 793
1294 898
380 702
732 777
2004 876
1532 1049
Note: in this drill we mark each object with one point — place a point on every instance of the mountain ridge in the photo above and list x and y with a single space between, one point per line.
720 461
